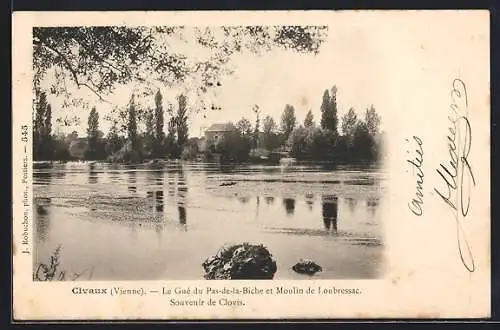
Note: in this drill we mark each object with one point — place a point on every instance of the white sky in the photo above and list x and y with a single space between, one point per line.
348 60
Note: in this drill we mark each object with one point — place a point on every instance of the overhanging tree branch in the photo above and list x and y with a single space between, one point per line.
73 72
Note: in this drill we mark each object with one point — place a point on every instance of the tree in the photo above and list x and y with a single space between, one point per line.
47 121
92 133
244 126
42 129
182 126
46 134
298 142
132 124
309 120
190 150
41 107
372 120
319 143
170 145
325 108
150 132
288 120
269 125
159 135
99 58
256 132
329 110
270 138
349 121
234 147
114 142
363 144
333 122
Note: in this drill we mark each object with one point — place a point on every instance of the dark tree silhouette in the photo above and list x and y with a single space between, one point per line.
42 129
92 134
159 135
244 126
288 120
132 124
270 137
349 121
150 132
182 126
309 120
329 110
372 120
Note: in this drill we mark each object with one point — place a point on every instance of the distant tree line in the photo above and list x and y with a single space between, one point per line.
122 144
359 139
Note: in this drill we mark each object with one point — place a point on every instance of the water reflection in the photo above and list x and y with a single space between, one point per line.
269 200
182 215
159 200
352 204
42 177
257 207
181 198
289 204
93 175
132 180
330 211
61 172
43 217
372 205
114 173
243 199
309 197
170 183
158 230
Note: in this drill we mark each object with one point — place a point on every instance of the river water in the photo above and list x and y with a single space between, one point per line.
151 222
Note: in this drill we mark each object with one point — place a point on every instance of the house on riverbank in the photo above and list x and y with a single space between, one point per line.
216 132
213 135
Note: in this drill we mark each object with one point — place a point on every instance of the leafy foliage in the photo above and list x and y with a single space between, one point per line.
181 120
99 58
329 110
288 120
234 147
244 126
132 124
309 120
52 271
92 134
372 120
270 136
159 125
42 129
149 133
349 121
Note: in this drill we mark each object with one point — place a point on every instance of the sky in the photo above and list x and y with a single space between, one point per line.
348 60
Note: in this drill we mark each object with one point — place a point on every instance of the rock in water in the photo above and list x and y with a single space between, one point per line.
307 266
240 262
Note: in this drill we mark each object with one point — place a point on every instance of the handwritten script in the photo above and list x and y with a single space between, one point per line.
456 172
417 203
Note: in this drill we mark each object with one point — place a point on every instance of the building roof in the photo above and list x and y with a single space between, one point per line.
219 128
